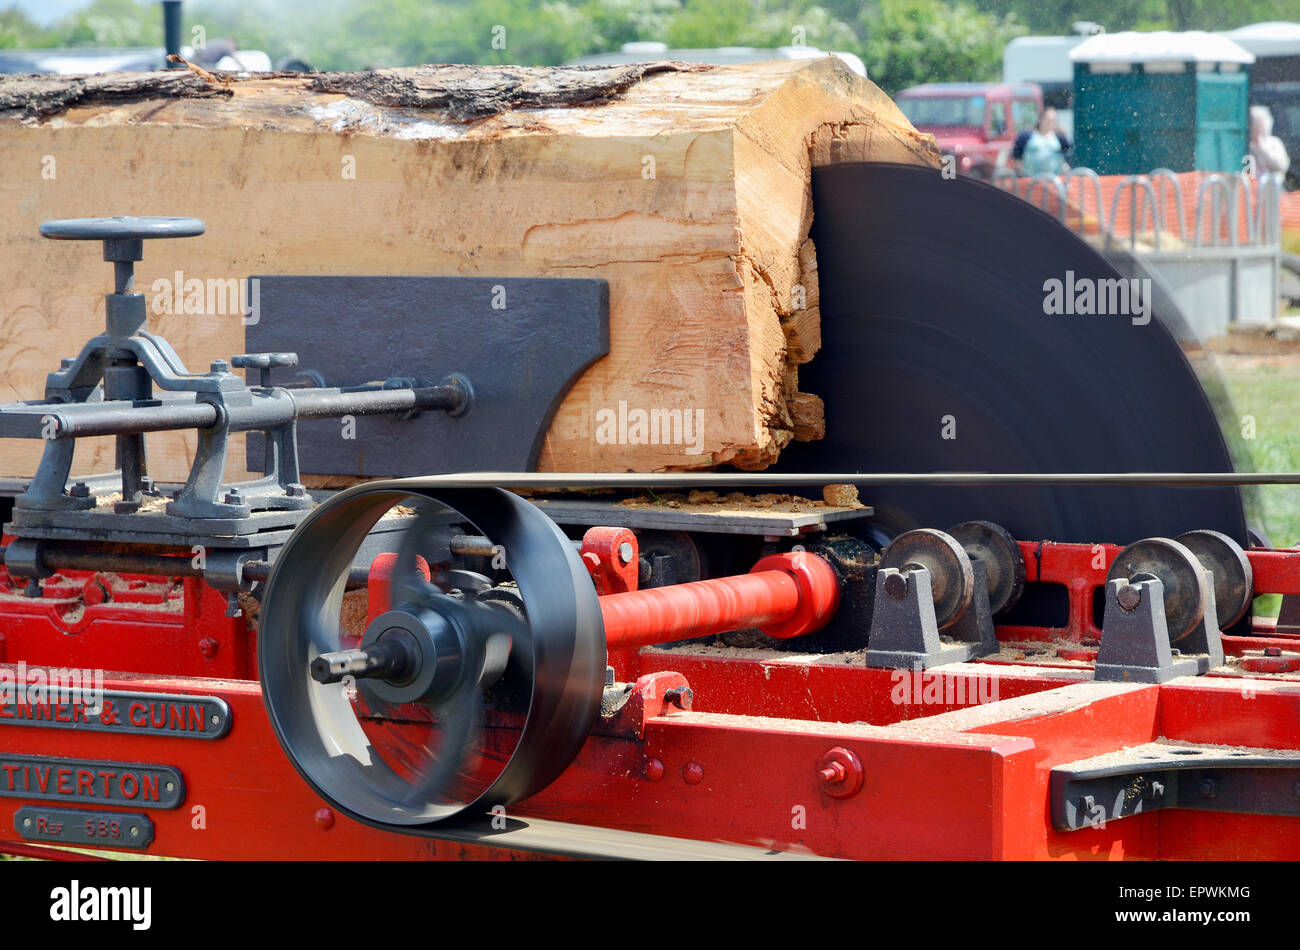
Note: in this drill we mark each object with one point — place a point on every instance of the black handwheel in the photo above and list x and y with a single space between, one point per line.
392 728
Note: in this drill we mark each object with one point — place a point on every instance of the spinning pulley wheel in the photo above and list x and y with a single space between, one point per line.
395 726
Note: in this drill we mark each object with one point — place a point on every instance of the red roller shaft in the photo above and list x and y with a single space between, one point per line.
784 595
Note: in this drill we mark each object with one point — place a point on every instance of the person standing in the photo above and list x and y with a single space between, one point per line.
1042 149
1266 148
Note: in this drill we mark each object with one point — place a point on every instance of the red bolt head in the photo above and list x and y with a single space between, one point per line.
693 773
208 647
839 773
325 818
1272 651
654 769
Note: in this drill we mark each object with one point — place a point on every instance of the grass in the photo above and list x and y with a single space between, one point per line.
1269 390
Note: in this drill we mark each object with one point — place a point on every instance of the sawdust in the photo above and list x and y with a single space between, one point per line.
1162 748
738 503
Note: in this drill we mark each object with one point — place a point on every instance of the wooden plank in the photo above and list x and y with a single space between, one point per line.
687 188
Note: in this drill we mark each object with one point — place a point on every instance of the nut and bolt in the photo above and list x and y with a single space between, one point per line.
219 366
1129 596
625 552
679 696
1272 651
896 585
295 490
79 490
839 773
234 497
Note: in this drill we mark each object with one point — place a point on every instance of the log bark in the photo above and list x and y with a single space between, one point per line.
686 187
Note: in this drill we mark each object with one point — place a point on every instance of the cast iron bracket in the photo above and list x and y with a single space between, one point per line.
1162 775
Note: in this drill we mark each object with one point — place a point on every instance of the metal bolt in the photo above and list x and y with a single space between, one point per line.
219 366
295 490
1209 788
609 676
693 773
625 552
840 773
234 497
216 720
135 831
896 585
208 647
679 696
1129 596
170 786
654 769
1272 651
79 490
833 774
325 818
27 822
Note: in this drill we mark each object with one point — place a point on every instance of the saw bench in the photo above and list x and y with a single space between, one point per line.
990 599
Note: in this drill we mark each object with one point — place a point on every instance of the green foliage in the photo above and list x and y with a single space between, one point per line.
916 41
903 42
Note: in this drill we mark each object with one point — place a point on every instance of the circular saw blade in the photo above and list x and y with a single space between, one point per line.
938 356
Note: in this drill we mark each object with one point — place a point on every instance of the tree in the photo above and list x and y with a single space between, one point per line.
915 41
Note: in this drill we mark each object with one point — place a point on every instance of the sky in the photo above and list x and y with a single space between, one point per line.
45 12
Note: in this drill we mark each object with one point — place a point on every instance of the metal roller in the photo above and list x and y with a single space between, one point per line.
952 580
1180 572
1004 565
1234 578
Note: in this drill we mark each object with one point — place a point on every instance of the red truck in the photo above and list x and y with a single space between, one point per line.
975 122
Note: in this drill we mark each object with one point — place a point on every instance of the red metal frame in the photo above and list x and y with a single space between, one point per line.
715 744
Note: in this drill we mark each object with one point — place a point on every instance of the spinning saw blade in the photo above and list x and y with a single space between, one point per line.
932 316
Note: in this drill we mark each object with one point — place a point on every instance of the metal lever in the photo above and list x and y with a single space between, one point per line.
264 362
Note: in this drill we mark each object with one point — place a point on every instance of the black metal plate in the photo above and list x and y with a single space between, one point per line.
103 829
178 715
520 362
932 305
83 780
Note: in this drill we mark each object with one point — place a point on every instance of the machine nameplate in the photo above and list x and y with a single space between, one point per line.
82 780
169 714
109 829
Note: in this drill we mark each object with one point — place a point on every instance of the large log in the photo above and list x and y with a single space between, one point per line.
686 187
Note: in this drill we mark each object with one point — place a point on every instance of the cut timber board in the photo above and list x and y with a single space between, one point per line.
685 187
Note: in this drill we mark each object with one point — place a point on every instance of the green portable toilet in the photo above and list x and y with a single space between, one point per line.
1160 100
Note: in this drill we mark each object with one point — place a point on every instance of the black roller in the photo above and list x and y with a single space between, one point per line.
931 295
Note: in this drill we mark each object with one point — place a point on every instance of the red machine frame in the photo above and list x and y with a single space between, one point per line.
787 751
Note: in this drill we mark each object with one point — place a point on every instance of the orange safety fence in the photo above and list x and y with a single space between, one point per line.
1090 202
